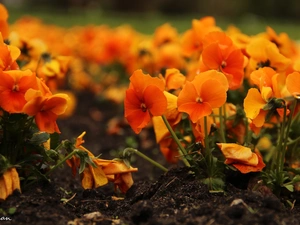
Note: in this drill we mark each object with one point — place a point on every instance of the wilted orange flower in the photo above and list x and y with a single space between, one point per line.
105 170
242 158
45 109
144 99
220 54
198 98
13 86
264 53
9 182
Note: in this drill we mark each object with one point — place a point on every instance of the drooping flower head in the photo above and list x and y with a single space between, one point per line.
144 99
242 158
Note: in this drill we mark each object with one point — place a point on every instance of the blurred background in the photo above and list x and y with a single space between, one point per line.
251 16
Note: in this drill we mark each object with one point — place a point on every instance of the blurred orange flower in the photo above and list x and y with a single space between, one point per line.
144 99
242 158
264 53
8 56
198 98
3 21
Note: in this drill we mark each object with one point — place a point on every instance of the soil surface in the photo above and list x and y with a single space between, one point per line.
172 198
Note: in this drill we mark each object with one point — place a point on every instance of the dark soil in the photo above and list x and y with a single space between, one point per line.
175 197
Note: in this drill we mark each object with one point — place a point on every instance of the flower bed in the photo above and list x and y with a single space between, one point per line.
221 105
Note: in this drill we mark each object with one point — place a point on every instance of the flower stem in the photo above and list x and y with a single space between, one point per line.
182 150
61 162
132 150
280 150
222 122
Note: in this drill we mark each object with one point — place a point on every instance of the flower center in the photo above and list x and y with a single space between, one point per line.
223 64
199 100
143 107
15 88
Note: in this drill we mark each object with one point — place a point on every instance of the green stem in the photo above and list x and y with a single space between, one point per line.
61 162
146 158
182 150
222 127
280 150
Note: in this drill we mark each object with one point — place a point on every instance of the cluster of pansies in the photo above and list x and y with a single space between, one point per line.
216 98
30 104
226 94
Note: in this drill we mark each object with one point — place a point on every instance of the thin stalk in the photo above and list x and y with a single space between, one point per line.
222 127
61 162
280 150
208 154
147 158
289 125
182 150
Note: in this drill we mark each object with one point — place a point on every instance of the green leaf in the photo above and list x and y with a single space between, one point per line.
54 140
39 138
290 187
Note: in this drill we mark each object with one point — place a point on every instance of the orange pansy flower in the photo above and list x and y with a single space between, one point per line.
13 86
264 53
220 54
144 99
192 38
45 109
241 157
198 98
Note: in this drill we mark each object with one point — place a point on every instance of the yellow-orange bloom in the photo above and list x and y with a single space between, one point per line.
241 157
144 99
13 86
198 98
9 182
264 53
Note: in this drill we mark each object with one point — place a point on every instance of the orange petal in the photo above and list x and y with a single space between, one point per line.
253 103
235 152
156 103
292 83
